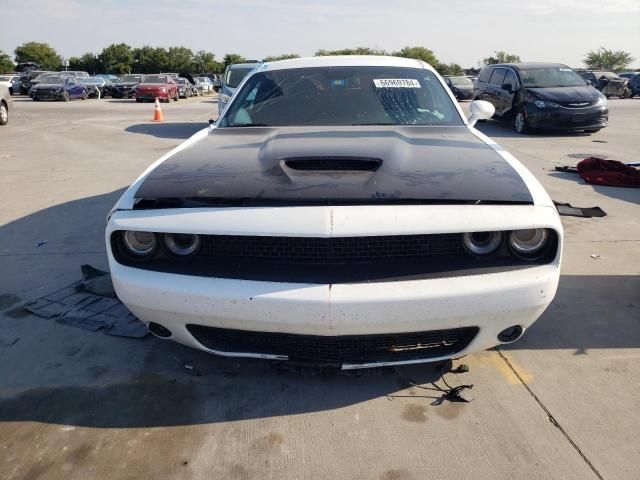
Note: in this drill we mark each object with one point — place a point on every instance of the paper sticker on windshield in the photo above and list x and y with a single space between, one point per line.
396 83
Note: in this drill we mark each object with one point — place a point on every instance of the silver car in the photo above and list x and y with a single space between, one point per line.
5 99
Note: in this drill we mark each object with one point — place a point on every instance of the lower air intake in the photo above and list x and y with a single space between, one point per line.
339 350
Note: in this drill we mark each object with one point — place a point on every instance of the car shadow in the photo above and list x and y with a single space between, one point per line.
167 130
504 129
626 194
89 379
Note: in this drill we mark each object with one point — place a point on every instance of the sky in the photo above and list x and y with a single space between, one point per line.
458 31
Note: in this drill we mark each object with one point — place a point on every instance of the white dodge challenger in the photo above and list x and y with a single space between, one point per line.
341 212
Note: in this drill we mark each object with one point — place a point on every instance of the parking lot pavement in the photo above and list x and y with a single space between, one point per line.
559 404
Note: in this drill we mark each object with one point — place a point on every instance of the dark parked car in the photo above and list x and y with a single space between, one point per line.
123 88
60 89
95 85
460 85
607 82
185 88
628 75
26 81
634 85
542 96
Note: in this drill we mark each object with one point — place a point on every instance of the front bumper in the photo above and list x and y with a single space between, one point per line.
490 302
152 95
568 119
45 95
463 94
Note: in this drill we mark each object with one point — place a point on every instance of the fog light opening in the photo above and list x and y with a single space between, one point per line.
158 330
510 334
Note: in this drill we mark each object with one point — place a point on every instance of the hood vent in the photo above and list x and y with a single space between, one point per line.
333 164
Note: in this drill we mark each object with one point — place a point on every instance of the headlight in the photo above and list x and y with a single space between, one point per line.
545 104
181 244
528 244
602 101
482 243
139 244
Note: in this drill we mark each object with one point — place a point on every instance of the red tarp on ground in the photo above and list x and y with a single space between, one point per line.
608 172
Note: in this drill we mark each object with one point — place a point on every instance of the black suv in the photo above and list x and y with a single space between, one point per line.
548 96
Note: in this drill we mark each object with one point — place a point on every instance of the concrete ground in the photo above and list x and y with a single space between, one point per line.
562 403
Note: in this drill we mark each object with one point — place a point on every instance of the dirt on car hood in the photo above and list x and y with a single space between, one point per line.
298 165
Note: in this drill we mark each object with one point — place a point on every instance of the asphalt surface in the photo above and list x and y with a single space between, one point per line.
562 403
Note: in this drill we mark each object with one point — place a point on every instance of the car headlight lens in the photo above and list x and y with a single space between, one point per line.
482 243
602 101
528 243
139 244
545 104
181 244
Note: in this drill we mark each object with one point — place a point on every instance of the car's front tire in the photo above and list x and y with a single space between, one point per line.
4 114
520 123
84 95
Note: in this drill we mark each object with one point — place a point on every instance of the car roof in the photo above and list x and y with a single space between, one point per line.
346 61
529 65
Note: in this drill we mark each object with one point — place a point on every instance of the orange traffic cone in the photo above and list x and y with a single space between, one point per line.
157 115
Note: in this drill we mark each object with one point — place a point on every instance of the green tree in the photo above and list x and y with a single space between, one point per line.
449 69
231 58
117 58
419 53
351 51
180 59
87 63
40 53
603 59
501 57
285 56
6 64
150 60
205 62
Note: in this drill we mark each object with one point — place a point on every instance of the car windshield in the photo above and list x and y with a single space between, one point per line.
461 81
551 77
342 96
56 80
181 81
155 79
236 75
202 79
131 78
89 80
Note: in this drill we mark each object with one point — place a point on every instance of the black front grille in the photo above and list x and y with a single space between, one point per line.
336 250
339 350
329 260
578 104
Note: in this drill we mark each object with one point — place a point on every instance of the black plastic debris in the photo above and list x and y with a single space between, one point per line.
568 210
90 304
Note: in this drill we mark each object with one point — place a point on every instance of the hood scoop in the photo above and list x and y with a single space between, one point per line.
333 164
310 171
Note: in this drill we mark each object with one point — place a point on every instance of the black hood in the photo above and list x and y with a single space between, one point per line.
125 84
295 165
47 86
582 93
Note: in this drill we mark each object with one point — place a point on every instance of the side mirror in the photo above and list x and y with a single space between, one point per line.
480 110
508 87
